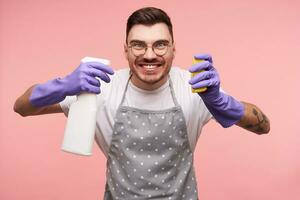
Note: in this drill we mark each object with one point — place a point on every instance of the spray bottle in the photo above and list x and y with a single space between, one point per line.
80 128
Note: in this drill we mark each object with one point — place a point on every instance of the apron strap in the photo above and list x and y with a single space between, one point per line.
127 83
172 91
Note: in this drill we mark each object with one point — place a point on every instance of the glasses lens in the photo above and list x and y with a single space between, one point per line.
138 52
160 48
160 52
138 49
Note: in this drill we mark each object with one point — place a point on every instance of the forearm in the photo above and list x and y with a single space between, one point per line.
254 120
23 105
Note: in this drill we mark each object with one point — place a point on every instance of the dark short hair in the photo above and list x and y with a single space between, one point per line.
149 16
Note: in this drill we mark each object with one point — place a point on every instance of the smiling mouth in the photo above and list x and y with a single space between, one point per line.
149 68
149 65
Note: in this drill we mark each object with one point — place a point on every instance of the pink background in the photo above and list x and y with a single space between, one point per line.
256 50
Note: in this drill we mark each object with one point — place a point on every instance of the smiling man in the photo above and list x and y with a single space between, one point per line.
150 68
148 120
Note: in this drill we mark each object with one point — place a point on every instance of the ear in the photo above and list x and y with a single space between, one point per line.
125 51
174 50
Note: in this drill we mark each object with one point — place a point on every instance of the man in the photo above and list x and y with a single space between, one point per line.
148 119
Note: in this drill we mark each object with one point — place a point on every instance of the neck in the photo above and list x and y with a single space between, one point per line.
148 86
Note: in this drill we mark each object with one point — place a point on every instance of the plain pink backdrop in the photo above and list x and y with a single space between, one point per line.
256 49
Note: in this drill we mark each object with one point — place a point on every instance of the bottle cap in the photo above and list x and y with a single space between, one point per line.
92 59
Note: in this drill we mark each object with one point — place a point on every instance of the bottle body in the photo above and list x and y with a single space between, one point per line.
81 123
80 127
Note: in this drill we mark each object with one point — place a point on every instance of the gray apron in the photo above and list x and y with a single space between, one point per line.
150 156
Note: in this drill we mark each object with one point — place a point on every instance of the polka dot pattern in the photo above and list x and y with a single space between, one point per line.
150 156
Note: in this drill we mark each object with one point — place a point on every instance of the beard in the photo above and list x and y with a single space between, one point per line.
156 71
152 79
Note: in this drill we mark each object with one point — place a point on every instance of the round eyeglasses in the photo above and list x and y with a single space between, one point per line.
160 48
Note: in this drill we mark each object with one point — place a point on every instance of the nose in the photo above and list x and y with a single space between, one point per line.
149 54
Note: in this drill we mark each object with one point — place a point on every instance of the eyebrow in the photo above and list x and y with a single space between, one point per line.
140 41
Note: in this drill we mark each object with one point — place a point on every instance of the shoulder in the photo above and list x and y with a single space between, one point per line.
183 91
180 80
118 80
179 73
121 75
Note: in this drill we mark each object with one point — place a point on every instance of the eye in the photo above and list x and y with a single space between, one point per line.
160 45
138 45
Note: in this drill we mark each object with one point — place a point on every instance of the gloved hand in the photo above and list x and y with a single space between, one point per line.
225 109
83 79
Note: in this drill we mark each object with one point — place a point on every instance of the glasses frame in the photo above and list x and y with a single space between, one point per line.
152 47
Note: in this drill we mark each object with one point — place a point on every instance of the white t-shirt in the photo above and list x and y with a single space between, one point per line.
195 112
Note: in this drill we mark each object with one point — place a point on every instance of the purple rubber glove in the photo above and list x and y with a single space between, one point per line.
83 79
225 109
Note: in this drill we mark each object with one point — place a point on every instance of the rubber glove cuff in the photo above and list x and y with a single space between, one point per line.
225 109
47 93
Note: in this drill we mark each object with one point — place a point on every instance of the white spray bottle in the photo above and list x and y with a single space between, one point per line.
80 128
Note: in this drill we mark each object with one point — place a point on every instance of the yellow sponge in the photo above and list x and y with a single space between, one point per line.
194 73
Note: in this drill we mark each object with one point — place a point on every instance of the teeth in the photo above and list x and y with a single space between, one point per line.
149 66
